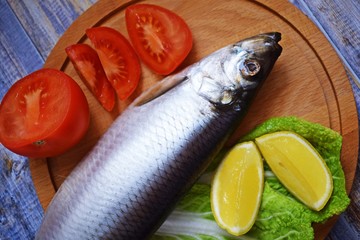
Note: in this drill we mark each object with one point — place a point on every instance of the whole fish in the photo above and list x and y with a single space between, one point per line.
158 147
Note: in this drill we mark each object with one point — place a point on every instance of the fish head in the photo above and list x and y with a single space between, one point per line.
240 70
251 60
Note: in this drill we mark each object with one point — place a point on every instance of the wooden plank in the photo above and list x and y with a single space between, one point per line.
340 22
19 55
20 211
46 21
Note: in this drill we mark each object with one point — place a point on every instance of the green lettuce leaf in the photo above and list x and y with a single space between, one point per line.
193 220
327 142
281 216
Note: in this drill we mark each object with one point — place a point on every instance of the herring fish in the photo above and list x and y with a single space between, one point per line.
158 147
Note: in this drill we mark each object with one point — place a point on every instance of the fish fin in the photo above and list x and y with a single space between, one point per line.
159 88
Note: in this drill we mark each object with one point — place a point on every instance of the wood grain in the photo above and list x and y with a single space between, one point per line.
45 35
14 42
340 25
308 80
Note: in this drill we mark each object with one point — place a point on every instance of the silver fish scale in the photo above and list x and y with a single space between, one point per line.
121 180
155 151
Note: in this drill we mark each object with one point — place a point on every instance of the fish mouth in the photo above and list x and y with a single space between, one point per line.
275 38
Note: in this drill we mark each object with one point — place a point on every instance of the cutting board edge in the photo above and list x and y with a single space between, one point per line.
70 37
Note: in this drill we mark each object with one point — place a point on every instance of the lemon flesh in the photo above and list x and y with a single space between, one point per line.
237 189
298 166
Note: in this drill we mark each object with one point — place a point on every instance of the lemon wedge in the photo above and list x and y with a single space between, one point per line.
237 188
298 166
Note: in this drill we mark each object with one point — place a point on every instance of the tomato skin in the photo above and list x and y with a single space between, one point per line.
161 38
89 68
58 129
120 62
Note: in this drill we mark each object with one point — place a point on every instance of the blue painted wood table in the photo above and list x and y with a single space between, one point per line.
29 30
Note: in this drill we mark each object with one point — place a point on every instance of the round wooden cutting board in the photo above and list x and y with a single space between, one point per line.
308 80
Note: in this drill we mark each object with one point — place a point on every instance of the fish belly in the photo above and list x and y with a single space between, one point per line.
131 180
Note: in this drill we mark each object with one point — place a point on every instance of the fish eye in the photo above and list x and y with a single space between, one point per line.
249 68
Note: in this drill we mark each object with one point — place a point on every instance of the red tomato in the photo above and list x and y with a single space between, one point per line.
88 66
118 58
161 38
43 114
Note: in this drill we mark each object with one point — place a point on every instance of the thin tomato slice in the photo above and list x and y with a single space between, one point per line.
161 38
120 62
88 66
43 114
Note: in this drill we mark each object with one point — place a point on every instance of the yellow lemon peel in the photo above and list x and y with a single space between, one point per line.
298 166
237 188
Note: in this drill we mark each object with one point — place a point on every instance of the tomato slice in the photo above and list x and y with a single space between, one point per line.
88 66
161 38
120 62
43 114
